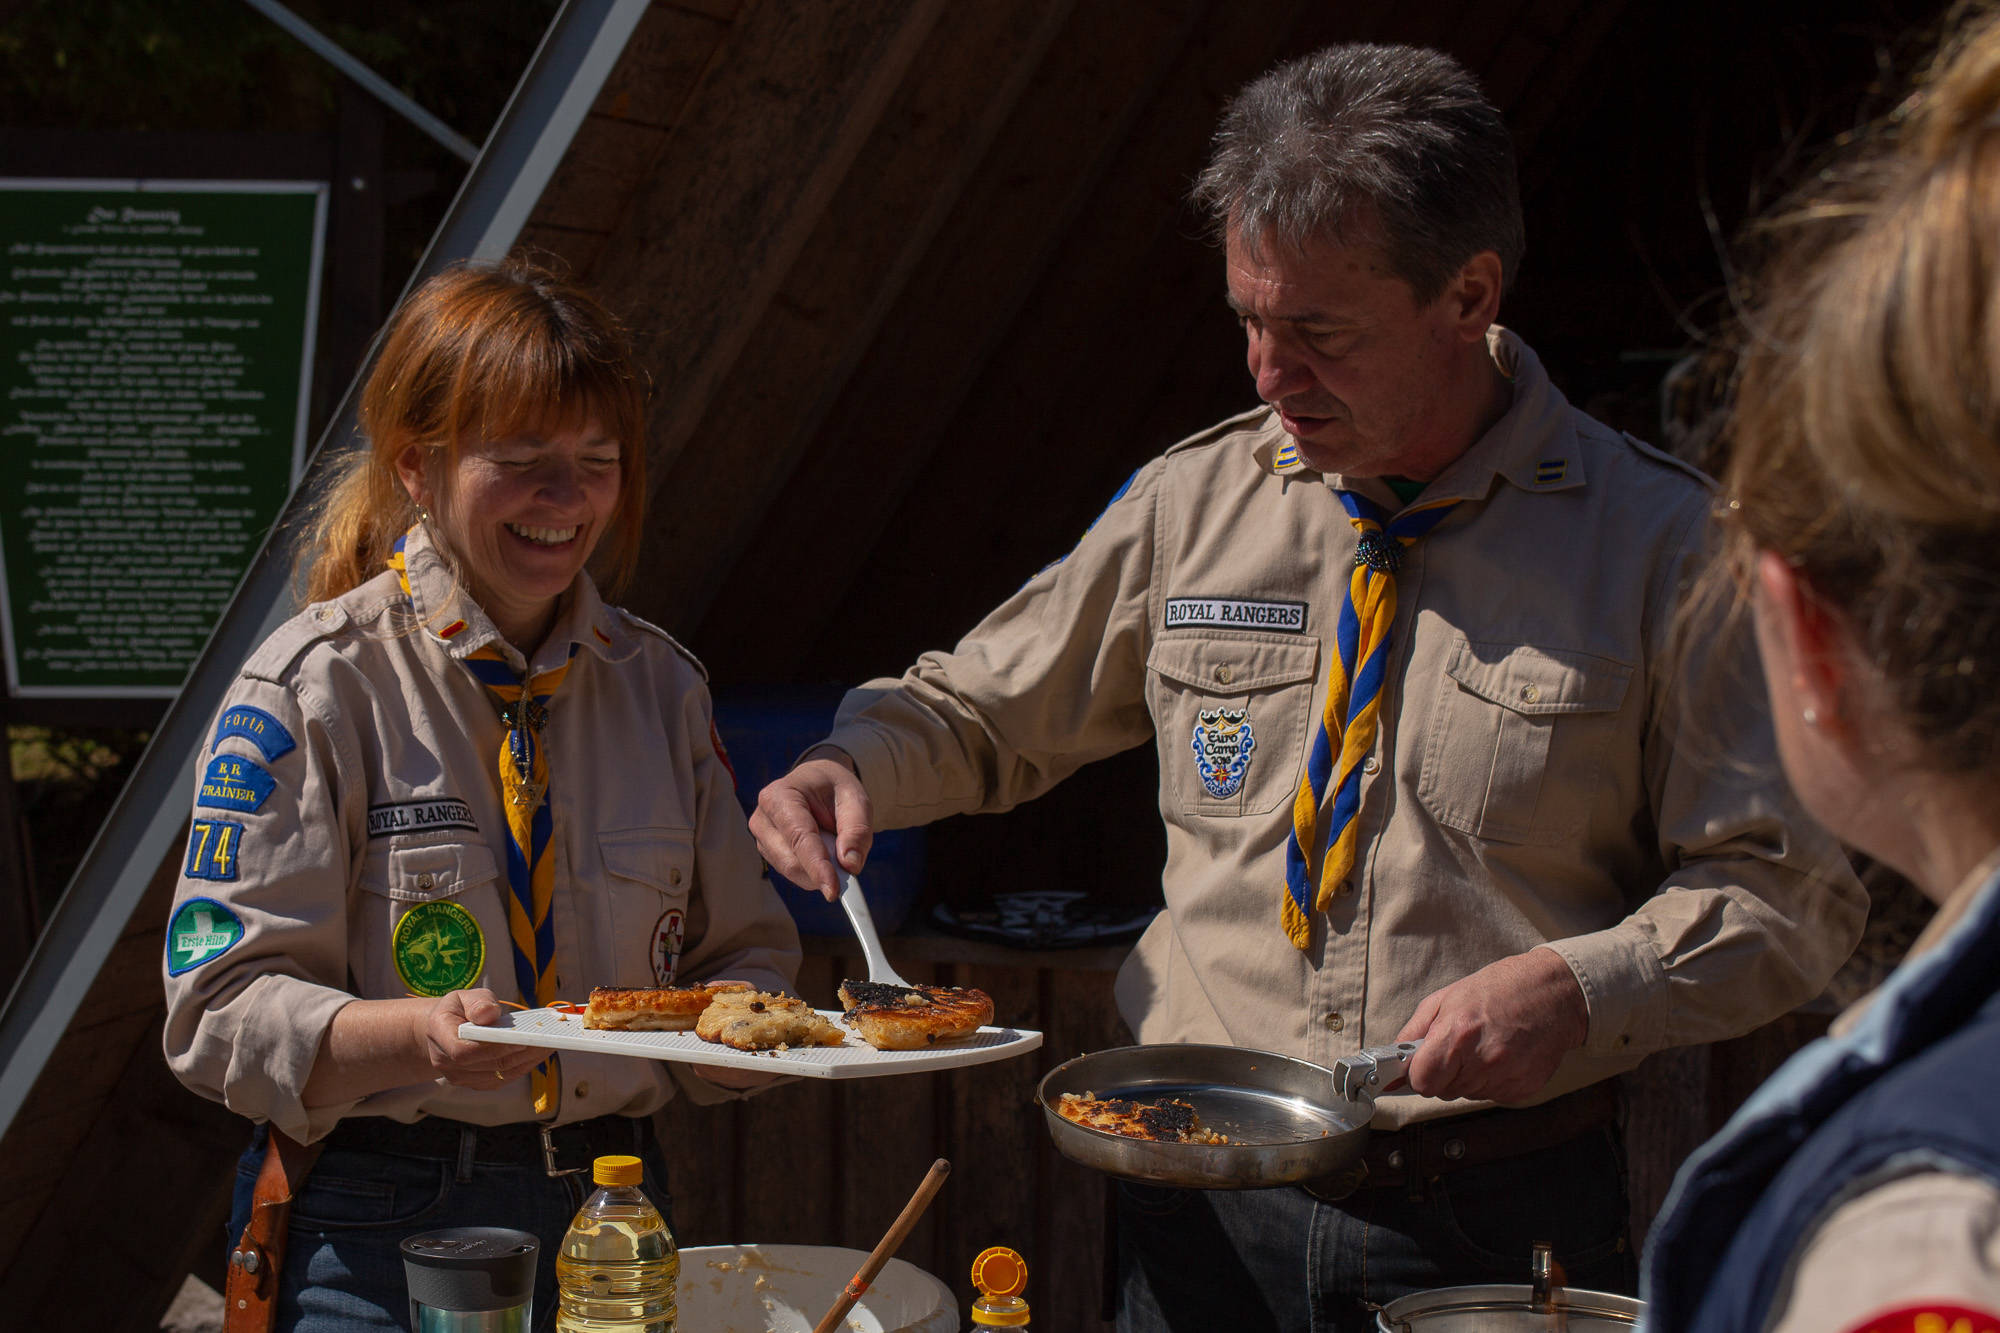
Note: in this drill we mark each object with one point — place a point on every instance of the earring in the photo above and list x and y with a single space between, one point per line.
1811 717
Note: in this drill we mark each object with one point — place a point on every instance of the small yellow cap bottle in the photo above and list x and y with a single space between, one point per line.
1000 1275
617 1171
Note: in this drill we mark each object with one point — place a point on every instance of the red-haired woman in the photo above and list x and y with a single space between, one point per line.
458 778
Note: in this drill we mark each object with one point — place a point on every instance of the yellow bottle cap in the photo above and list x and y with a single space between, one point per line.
998 1271
617 1171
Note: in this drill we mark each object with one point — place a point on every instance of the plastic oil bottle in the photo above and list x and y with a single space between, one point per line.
1000 1275
618 1265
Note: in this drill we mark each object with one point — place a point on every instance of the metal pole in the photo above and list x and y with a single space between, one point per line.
330 51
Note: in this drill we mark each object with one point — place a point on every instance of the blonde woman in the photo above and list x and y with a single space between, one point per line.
1860 1188
458 778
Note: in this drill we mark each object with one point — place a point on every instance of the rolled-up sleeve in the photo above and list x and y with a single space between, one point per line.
1759 906
256 961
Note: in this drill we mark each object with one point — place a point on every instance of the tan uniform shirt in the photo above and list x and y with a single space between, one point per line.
351 782
1532 780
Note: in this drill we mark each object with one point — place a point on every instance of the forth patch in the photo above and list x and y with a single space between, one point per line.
256 726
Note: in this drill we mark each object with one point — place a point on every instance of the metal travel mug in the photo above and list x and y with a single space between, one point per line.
471 1280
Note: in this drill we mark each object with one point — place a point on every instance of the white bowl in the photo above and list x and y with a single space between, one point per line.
789 1289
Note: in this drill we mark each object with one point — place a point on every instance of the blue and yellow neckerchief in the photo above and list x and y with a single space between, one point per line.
523 704
1353 696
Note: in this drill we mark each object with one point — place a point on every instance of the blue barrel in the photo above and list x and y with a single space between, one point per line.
764 730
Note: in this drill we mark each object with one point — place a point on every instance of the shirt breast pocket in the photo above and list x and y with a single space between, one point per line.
431 921
1517 738
1232 712
648 879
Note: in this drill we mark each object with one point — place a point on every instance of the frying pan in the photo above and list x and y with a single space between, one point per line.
1286 1119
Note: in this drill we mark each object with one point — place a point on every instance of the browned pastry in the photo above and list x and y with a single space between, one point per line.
1169 1121
909 1018
755 1020
660 1009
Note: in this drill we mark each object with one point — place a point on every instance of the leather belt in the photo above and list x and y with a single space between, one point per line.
1432 1148
561 1149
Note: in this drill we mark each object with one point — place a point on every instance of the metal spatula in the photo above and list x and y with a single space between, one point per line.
856 906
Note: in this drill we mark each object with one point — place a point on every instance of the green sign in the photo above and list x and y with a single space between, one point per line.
155 352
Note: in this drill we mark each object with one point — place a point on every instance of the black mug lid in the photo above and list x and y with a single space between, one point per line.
471 1268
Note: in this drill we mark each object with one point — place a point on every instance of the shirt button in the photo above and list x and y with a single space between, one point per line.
1454 1149
1224 674
1342 889
1370 764
1334 1022
1395 1159
1529 693
583 1089
674 875
426 881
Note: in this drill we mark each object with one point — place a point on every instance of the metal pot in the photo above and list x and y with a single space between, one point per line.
1544 1305
1287 1120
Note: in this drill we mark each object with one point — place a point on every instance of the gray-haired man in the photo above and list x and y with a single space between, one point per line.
1401 637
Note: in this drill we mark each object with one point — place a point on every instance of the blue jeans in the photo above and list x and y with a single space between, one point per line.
1282 1261
343 1260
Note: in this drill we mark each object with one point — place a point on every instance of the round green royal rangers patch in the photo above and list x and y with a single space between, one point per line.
438 947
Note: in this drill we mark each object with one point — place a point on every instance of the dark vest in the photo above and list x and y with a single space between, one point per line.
1917 1082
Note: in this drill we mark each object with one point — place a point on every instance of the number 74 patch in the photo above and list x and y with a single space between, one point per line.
212 848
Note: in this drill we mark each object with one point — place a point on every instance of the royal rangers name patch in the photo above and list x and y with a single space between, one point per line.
438 947
1223 744
231 782
256 726
1235 613
212 848
202 929
419 816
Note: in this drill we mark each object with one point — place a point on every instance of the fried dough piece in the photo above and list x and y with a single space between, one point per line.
909 1018
754 1020
1169 1121
659 1009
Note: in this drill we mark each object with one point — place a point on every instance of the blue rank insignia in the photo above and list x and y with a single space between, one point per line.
212 848
202 929
256 726
1223 744
1550 471
231 782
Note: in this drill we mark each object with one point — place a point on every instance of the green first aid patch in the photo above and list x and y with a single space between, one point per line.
438 947
202 929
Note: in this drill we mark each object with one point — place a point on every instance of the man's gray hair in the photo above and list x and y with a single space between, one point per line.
1392 144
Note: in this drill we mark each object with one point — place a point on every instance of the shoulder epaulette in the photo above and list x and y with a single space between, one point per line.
1227 426
276 654
639 623
1659 455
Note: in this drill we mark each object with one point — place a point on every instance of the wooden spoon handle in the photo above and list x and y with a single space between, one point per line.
886 1248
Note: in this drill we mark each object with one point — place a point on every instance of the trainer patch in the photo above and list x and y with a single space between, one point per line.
231 782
